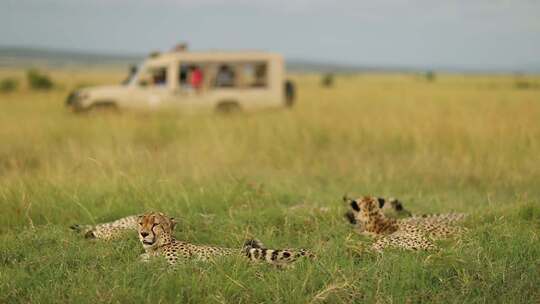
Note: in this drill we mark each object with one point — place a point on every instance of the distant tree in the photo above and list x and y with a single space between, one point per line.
522 82
8 85
327 80
431 76
38 81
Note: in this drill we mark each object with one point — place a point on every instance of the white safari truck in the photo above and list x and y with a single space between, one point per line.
194 81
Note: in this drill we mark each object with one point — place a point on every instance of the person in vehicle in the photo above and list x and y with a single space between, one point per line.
159 77
225 76
260 75
196 78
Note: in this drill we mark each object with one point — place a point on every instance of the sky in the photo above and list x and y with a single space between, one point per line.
486 34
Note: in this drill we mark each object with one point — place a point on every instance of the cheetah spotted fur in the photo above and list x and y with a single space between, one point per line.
413 233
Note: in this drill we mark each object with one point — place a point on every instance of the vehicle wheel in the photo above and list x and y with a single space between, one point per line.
290 93
228 107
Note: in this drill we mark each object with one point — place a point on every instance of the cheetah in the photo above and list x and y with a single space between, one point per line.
393 208
109 231
155 234
414 233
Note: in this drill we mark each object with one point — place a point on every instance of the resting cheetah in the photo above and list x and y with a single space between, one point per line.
109 231
155 233
412 233
393 208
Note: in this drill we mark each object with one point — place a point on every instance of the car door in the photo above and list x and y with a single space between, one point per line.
154 88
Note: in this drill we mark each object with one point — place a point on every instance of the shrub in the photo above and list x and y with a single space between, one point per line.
327 80
431 76
524 84
38 81
8 85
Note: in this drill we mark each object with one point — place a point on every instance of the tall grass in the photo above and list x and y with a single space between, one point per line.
468 144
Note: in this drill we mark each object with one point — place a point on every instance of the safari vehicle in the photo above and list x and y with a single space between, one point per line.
215 81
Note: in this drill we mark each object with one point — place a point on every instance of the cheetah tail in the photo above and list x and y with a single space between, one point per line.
306 253
253 243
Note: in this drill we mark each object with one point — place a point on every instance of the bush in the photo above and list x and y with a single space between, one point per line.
327 80
524 84
430 76
38 81
8 85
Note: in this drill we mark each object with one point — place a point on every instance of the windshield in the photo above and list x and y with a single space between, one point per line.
134 72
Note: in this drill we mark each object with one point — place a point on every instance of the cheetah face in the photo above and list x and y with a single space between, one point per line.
152 226
363 208
390 207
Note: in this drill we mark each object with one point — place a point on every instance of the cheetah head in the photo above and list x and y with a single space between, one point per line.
363 208
391 207
153 227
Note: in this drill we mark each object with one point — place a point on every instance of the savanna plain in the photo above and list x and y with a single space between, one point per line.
459 143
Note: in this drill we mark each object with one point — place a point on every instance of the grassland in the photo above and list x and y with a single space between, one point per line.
468 144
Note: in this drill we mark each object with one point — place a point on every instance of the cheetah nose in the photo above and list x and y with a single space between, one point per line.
144 234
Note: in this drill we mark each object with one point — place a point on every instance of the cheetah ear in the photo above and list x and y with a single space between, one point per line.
381 201
354 205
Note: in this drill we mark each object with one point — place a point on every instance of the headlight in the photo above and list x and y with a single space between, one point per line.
71 98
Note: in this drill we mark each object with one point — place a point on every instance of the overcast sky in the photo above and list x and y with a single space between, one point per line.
463 33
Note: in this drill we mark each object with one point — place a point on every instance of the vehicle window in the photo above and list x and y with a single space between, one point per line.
225 76
239 75
254 74
191 77
154 76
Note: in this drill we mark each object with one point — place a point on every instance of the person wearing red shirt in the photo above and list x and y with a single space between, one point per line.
196 78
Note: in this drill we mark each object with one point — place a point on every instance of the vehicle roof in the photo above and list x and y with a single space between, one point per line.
214 56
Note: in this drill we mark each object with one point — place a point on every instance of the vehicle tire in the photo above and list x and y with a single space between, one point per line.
290 93
228 107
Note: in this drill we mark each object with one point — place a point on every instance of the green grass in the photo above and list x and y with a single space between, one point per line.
467 144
